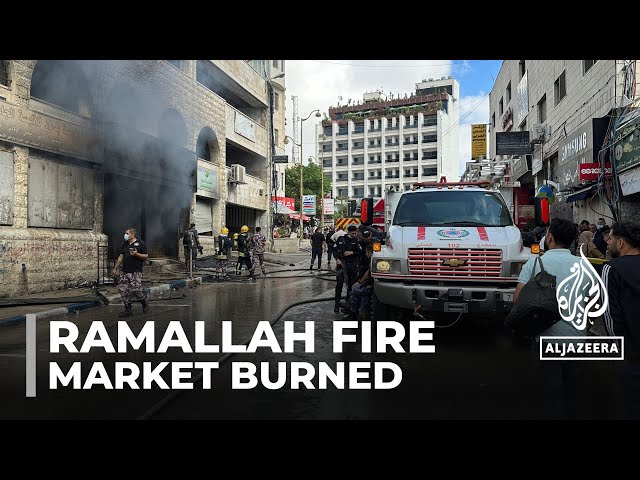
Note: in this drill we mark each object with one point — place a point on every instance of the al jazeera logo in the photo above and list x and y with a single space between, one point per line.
582 297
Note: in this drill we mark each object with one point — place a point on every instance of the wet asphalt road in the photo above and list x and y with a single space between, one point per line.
476 372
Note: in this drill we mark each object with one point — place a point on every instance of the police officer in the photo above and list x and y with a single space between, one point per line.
244 252
224 246
337 239
350 253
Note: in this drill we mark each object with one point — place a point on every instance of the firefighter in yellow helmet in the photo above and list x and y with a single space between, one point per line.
244 255
224 246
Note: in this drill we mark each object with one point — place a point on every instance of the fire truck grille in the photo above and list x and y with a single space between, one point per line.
455 262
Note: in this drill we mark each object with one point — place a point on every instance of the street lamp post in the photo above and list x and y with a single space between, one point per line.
318 114
324 137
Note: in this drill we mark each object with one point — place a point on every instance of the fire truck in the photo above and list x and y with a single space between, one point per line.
449 247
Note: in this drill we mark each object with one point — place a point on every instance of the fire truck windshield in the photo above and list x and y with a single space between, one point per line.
452 207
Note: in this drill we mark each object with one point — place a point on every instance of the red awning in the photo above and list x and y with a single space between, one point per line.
296 216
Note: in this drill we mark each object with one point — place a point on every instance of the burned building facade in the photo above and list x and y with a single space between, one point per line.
91 148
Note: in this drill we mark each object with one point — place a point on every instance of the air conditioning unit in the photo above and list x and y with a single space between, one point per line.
538 134
237 172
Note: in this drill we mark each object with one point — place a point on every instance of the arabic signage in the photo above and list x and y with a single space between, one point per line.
280 158
328 206
518 167
521 102
207 182
26 127
627 151
513 143
245 126
478 141
578 148
308 204
286 201
630 181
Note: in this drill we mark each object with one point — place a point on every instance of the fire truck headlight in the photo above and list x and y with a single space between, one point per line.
516 267
387 266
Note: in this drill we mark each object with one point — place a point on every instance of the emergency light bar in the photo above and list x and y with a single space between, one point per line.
451 184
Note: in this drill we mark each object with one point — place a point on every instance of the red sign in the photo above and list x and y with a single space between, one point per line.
286 201
591 171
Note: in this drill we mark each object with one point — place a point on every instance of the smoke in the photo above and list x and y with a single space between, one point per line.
141 141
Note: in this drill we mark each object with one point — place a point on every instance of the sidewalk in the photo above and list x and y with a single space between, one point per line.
158 278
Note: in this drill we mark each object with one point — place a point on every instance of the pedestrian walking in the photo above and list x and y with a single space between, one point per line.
133 254
318 247
258 242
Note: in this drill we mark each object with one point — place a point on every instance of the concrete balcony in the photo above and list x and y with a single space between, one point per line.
245 79
252 194
244 132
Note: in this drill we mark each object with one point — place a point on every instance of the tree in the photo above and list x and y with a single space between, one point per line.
312 183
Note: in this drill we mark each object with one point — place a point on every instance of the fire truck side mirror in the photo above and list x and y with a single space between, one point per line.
541 211
366 211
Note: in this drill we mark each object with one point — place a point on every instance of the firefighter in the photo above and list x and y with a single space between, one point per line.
225 245
191 243
244 252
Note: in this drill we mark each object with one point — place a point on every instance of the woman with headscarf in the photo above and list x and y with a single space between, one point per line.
587 246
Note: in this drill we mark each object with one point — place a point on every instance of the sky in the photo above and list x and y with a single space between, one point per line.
319 83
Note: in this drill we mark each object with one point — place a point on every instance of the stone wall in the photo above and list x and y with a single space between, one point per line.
39 260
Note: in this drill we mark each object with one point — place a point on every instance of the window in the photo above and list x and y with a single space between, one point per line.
522 68
4 73
493 120
542 109
275 63
559 88
275 136
276 101
175 63
428 208
508 93
587 64
501 106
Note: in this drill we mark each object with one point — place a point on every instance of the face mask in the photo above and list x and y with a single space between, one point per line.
600 226
126 237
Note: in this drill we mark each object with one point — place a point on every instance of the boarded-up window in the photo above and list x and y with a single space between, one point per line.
60 196
6 188
204 219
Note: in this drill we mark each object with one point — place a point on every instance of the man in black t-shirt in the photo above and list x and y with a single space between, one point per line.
133 254
318 243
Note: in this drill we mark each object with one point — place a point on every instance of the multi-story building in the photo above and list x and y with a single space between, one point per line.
570 110
90 148
385 143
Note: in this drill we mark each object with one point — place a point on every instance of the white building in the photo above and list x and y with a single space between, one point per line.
392 142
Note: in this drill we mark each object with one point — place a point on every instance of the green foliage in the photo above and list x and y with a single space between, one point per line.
312 183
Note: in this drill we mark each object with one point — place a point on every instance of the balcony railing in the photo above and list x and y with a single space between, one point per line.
393 128
392 160
371 162
410 142
357 147
342 149
392 176
357 162
410 126
379 129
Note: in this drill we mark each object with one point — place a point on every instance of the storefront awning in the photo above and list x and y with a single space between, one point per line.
581 194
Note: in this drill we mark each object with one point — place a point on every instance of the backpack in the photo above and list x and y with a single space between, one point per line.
537 305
